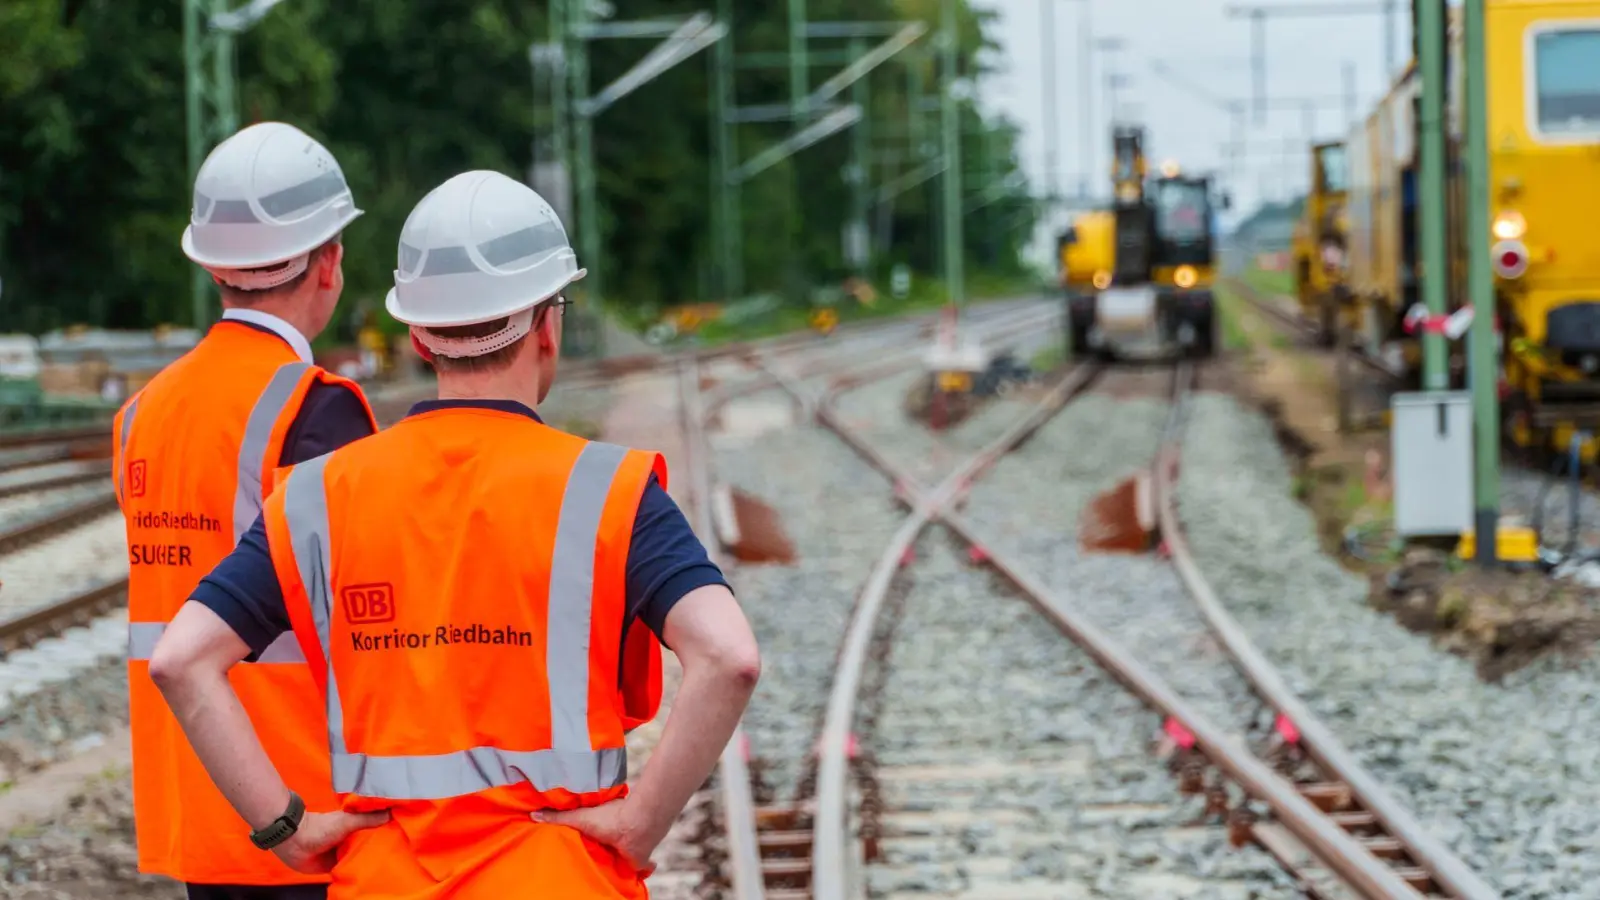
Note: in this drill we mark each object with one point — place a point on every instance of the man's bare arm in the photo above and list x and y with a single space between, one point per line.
709 633
190 665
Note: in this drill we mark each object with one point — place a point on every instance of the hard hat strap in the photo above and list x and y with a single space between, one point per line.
261 279
517 327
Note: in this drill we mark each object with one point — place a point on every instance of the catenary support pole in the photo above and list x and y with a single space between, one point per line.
211 107
1391 12
1052 128
954 275
1258 44
587 190
729 253
799 70
858 246
1484 366
1086 102
1349 95
1431 177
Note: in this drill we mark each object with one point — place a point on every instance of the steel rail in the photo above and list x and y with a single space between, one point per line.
1447 869
89 470
829 840
1329 842
733 774
32 531
52 618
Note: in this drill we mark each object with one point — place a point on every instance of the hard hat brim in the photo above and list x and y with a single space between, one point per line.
254 262
391 303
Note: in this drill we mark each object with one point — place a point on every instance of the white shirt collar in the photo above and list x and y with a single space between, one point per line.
277 326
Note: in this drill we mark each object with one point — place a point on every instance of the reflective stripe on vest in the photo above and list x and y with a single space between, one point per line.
142 638
264 415
122 445
571 763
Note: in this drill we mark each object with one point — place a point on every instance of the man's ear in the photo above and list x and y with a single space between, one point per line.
328 259
544 325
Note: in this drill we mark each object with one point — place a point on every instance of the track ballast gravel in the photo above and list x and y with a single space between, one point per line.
1507 775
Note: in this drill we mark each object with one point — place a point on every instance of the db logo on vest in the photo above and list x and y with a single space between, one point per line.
136 478
366 604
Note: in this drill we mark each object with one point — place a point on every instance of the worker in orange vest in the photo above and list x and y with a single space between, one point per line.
483 599
195 454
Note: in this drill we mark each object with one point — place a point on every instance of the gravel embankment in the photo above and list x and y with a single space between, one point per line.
1507 775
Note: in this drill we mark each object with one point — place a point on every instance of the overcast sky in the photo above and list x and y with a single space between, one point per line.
1207 53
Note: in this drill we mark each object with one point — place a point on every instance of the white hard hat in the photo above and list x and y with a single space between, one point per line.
477 248
269 194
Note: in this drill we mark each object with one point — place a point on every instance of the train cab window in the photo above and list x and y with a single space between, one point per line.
1567 83
1331 159
1182 210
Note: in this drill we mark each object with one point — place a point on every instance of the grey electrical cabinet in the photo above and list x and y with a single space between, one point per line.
1431 449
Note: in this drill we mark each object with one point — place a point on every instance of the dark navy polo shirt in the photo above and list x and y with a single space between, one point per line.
665 562
330 416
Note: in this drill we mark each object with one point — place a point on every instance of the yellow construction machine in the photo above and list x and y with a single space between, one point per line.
1138 276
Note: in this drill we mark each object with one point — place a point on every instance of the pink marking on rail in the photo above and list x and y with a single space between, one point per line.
908 557
977 554
1286 729
1180 735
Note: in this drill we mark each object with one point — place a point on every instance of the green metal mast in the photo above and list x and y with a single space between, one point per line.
1435 272
724 143
1483 366
212 111
860 168
577 58
799 66
953 274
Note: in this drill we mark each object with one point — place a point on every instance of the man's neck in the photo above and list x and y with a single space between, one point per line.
286 309
490 386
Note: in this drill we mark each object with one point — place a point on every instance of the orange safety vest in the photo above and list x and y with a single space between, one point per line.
458 583
196 453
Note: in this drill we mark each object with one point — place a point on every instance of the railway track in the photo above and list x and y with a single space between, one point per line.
1331 824
1308 332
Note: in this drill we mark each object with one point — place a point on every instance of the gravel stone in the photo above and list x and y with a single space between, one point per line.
88 851
1506 775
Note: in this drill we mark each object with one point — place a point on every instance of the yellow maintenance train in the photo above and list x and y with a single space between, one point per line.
1319 246
1544 184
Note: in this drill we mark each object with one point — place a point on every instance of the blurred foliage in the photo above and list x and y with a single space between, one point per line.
94 188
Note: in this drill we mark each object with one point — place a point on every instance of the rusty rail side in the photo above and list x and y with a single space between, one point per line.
830 839
1447 869
738 805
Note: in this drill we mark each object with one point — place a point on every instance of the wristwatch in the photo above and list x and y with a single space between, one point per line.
281 828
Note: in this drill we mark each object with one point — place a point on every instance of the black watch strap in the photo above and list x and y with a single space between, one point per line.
280 829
